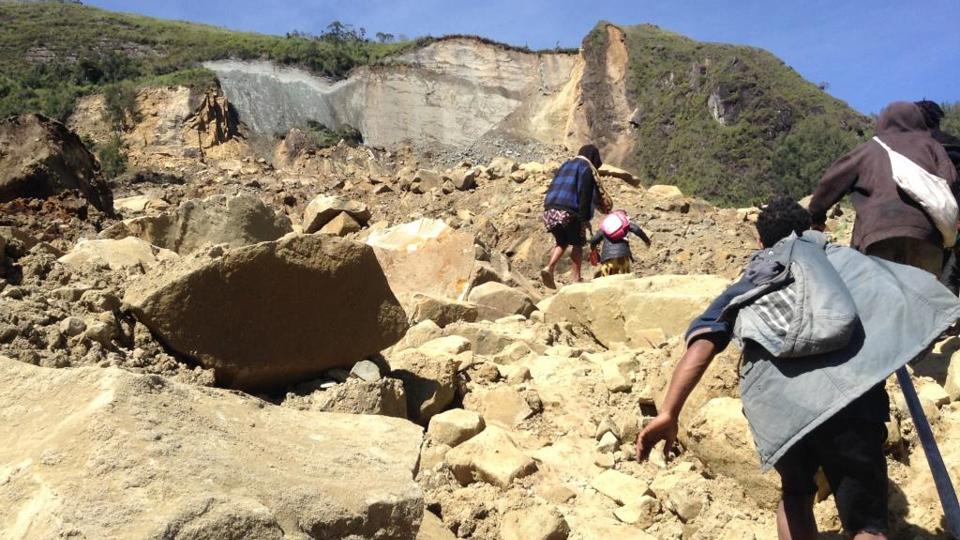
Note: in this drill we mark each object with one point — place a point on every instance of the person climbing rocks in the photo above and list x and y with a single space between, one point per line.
889 224
568 208
821 327
932 115
616 256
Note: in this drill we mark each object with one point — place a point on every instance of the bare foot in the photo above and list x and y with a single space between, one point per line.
546 276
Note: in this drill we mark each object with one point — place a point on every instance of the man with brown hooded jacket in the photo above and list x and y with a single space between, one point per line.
889 224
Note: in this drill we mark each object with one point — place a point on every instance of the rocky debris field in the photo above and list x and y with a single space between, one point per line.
351 343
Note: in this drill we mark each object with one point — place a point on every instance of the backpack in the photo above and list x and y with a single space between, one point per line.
615 225
928 190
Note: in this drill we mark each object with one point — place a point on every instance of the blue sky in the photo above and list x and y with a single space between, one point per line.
871 52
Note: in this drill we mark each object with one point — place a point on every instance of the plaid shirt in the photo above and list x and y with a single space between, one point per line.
572 189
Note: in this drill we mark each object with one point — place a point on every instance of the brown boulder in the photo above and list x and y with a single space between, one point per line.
441 310
325 208
496 300
41 157
235 221
274 313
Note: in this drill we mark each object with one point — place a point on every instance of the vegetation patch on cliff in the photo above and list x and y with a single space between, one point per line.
731 124
51 53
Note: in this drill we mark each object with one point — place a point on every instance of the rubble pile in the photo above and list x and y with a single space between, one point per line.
353 344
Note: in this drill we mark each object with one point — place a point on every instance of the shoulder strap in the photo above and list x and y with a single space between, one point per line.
882 144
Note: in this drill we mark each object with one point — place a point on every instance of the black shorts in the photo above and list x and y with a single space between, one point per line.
571 234
850 450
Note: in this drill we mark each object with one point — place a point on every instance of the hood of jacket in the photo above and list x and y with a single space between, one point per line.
804 309
901 117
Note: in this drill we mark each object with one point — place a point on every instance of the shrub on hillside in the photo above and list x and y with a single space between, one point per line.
113 157
120 105
951 120
805 152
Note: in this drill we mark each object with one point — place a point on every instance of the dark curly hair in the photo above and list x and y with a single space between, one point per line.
779 217
932 113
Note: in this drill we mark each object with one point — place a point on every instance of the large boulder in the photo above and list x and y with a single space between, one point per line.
116 254
496 300
236 221
324 208
274 313
105 453
620 310
424 256
41 157
719 435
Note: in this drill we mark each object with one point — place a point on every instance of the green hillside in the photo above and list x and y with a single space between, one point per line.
52 52
779 132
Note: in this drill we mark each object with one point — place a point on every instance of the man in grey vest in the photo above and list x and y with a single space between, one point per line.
821 327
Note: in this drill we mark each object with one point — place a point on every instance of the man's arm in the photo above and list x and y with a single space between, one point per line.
835 183
585 187
686 375
708 335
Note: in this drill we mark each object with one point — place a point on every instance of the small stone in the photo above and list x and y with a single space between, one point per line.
685 504
72 326
618 373
642 513
604 461
608 443
454 426
366 370
536 523
502 405
620 487
554 491
433 455
432 528
605 426
486 372
101 332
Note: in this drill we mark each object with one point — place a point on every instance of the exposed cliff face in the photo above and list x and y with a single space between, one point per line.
451 92
603 112
175 125
708 118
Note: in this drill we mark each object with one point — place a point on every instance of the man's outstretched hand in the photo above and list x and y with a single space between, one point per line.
661 428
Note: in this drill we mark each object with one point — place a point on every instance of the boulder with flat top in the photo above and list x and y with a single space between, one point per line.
272 314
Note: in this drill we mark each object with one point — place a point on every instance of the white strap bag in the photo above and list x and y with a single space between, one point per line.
929 190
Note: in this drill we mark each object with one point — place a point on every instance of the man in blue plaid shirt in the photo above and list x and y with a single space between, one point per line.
568 208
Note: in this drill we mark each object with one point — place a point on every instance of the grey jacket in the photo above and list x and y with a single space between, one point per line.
614 249
854 321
